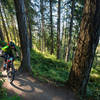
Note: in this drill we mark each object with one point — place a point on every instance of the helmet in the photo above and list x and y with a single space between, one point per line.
11 44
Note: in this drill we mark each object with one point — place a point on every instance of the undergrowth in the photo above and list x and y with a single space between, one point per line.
11 98
93 89
47 68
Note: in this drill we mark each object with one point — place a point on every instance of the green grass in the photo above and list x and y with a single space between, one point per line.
93 89
11 98
47 68
3 93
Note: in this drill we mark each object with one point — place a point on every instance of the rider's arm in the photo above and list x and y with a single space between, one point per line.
3 49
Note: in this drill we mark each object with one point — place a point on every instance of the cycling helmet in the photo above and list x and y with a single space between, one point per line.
11 44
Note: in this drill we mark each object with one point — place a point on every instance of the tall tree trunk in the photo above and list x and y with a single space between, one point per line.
87 43
6 21
24 40
42 28
17 36
39 36
63 41
58 30
13 24
51 26
28 22
30 32
66 39
1 34
4 25
70 32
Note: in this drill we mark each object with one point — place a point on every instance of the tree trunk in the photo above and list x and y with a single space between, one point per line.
4 25
87 43
6 21
13 27
42 28
30 32
1 34
58 31
24 40
28 22
51 26
17 36
63 41
70 32
66 39
13 24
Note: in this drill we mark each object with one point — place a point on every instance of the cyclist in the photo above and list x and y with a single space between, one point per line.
8 50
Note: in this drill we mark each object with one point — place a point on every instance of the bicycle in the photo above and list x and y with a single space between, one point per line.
9 67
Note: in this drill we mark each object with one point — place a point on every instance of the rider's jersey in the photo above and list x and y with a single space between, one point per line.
8 50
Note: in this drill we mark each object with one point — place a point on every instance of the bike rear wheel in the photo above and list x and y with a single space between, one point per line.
11 75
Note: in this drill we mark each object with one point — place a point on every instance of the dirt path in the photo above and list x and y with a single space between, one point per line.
31 89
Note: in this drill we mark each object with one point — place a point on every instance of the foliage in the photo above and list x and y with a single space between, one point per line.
2 43
2 90
11 98
94 82
93 89
47 68
44 65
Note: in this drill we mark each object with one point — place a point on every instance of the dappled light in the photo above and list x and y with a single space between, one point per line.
30 88
49 50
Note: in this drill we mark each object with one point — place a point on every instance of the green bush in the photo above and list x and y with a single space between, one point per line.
93 89
3 93
2 90
47 68
2 43
11 98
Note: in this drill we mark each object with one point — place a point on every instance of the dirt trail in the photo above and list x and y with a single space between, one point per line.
31 89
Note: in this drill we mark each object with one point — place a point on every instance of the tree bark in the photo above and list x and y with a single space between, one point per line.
24 40
6 21
14 28
4 25
58 31
51 26
42 28
70 32
30 32
1 34
87 43
28 22
63 41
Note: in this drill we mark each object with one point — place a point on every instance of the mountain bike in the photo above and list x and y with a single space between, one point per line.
9 67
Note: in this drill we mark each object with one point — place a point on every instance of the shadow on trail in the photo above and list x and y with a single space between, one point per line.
21 83
31 89
3 76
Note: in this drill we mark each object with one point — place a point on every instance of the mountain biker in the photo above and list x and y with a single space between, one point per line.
9 50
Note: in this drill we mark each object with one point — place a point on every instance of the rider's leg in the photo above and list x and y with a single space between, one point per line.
5 64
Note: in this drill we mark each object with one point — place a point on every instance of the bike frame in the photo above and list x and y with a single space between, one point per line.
9 63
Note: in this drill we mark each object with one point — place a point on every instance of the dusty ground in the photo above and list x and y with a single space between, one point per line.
31 89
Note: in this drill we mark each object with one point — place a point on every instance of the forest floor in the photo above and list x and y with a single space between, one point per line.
29 88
